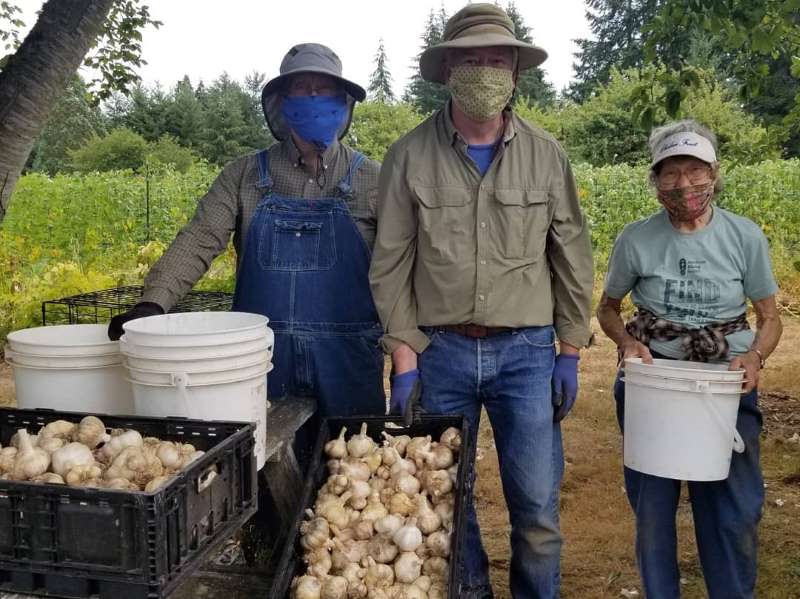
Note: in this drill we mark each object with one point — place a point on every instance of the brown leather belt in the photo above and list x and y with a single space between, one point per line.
476 331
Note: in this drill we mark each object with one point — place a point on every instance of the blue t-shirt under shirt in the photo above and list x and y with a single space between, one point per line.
693 279
482 155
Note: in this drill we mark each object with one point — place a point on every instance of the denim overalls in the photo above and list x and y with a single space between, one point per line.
305 267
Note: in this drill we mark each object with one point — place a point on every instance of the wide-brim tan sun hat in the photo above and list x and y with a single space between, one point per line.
306 58
477 26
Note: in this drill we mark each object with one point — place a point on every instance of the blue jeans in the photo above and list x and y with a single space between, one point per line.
726 515
510 375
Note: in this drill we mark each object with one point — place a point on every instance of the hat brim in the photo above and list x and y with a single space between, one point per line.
431 62
275 85
700 154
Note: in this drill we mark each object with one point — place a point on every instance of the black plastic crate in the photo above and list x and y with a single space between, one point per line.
100 306
291 563
80 542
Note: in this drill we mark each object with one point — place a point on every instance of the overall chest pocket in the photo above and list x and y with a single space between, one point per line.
522 222
298 244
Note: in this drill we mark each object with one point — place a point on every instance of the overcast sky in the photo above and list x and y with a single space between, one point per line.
203 38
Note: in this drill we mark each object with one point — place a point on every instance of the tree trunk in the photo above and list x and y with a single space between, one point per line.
37 74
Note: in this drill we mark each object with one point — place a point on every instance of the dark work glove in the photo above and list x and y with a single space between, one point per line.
140 310
402 385
565 385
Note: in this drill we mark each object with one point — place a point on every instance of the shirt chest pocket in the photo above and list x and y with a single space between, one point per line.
520 223
446 223
298 244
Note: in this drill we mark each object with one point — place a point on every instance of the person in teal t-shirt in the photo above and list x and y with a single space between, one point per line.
690 270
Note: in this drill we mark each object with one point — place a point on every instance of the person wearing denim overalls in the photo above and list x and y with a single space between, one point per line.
690 269
302 214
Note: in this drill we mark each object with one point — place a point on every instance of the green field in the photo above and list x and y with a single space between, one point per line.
74 233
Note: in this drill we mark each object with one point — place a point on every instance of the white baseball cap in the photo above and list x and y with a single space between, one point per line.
685 144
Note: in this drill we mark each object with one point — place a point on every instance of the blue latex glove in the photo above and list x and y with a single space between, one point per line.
402 384
565 385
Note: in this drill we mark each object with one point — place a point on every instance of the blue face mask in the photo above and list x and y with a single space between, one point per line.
316 119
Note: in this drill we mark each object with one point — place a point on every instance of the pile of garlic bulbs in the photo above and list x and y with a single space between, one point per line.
381 523
85 455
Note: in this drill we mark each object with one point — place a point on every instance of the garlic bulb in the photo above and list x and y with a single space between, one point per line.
60 429
337 448
427 519
411 591
118 442
360 445
437 482
332 509
31 461
69 456
407 567
451 437
401 504
453 472
374 508
401 466
354 468
135 465
91 432
115 483
436 567
438 543
399 442
382 549
439 457
363 530
319 562
306 587
79 474
346 552
417 447
378 575
407 483
423 582
408 537
354 574
49 478
157 483
334 587
388 524
373 460
314 533
50 444
8 456
437 591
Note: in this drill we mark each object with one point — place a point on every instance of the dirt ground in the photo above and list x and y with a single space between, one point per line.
598 560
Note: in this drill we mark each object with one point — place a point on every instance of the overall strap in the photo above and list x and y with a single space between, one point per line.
345 186
264 178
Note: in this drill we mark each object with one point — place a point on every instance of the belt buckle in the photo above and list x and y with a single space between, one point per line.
477 330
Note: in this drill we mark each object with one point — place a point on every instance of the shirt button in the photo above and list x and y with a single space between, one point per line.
483 262
483 225
480 297
311 180
297 234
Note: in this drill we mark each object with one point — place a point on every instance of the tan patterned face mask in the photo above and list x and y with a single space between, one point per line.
481 92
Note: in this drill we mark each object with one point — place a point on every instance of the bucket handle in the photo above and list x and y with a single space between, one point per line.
704 388
181 381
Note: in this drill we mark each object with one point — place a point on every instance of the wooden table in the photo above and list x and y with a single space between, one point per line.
280 488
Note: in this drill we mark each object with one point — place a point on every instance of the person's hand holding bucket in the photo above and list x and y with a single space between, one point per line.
751 363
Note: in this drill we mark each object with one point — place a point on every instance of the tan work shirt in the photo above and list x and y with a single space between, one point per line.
231 201
510 248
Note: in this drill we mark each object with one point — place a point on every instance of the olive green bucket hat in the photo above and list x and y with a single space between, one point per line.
477 26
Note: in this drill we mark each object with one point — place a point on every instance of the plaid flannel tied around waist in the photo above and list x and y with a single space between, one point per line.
701 345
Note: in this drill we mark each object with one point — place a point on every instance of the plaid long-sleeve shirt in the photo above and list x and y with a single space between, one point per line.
231 201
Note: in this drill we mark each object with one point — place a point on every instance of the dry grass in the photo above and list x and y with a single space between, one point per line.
597 523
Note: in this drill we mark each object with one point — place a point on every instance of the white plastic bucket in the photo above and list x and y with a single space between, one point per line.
201 352
102 389
234 400
684 369
680 426
190 379
191 329
199 365
64 340
56 362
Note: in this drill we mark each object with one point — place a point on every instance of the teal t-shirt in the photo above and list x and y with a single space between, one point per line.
693 279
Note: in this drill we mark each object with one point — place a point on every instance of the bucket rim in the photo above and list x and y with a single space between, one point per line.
14 364
639 362
131 325
696 392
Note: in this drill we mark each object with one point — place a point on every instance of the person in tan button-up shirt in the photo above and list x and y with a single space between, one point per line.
482 259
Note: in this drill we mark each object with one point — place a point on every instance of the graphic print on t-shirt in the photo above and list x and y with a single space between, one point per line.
691 298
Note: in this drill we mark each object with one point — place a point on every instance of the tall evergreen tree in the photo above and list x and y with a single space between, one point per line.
531 86
424 95
380 82
616 26
183 116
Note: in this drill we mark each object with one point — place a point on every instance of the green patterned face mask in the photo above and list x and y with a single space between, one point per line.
481 92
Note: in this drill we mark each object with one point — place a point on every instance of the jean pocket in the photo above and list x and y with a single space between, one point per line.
542 337
298 244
